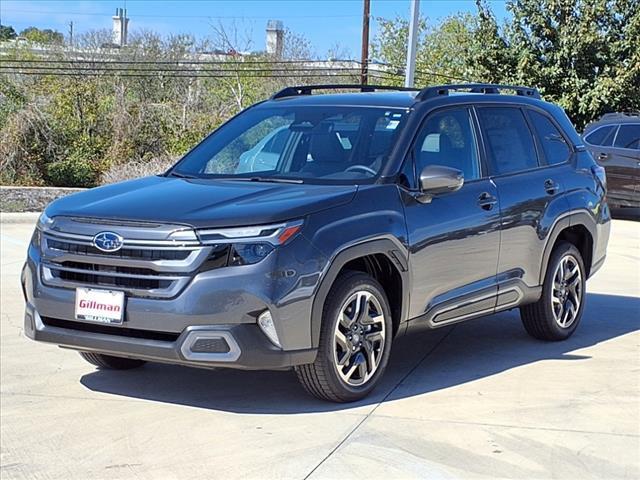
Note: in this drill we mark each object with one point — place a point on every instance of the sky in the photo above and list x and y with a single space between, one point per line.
324 23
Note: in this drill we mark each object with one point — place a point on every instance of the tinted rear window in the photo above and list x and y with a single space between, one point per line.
602 136
508 139
628 137
553 144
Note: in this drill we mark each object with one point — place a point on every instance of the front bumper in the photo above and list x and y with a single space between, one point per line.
216 307
248 347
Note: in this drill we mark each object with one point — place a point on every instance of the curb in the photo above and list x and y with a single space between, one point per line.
28 218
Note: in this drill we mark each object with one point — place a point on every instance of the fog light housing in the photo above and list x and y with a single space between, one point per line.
265 322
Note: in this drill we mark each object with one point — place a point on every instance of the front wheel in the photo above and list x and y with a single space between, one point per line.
558 312
355 341
111 363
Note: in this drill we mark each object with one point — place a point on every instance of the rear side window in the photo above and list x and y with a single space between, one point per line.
508 140
554 147
602 137
628 137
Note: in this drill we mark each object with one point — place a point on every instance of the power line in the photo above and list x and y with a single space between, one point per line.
117 69
282 66
217 17
195 62
169 68
183 75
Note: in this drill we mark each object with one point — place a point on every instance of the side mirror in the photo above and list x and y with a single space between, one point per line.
437 180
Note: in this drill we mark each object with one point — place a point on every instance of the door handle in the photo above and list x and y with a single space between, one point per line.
551 187
603 156
487 201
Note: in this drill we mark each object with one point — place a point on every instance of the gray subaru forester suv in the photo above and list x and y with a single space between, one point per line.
311 229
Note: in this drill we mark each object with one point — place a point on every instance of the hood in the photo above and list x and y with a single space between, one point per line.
202 203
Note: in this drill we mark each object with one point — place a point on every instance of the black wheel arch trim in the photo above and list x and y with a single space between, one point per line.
387 245
569 219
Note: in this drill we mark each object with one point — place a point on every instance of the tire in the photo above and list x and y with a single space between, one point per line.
361 342
101 360
554 316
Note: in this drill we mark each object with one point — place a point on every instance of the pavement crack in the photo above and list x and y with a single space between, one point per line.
384 399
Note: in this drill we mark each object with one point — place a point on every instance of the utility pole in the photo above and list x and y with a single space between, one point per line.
410 71
364 62
71 33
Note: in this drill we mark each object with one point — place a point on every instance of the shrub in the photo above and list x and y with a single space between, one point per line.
72 172
27 144
137 169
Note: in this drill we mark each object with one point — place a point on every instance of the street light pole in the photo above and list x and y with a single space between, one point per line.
365 44
410 70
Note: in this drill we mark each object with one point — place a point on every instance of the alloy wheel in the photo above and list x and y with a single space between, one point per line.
359 338
566 294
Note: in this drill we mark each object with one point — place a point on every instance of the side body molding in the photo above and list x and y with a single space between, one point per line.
386 245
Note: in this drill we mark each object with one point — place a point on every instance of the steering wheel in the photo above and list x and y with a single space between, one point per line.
363 168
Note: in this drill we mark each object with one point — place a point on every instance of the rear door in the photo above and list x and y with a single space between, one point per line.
622 164
615 147
530 188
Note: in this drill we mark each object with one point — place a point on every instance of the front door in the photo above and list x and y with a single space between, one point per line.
454 239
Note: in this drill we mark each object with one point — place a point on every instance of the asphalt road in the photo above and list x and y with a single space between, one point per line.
477 400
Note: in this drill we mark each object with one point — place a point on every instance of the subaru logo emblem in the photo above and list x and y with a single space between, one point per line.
108 241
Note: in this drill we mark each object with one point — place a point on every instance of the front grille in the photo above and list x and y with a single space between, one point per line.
105 280
111 330
142 254
108 269
143 268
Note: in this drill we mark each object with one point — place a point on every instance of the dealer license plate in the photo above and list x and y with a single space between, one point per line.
102 306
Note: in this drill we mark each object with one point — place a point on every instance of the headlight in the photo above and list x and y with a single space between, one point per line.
249 253
36 238
245 245
277 234
44 222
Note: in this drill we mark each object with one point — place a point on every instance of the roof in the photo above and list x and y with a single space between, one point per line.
400 97
395 99
613 119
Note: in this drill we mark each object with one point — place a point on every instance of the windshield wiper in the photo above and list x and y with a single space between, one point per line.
269 179
182 175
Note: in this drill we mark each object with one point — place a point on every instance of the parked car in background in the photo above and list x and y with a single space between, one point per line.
614 141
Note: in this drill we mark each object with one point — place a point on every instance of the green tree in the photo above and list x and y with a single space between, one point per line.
7 33
443 52
46 36
490 58
583 54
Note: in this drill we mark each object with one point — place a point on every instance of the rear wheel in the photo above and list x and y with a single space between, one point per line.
355 341
112 363
558 312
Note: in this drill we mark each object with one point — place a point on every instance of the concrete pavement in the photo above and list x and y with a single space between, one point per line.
477 400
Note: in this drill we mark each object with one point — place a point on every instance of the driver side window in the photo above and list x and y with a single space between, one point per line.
446 138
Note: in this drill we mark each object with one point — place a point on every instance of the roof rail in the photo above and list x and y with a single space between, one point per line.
307 89
432 92
630 113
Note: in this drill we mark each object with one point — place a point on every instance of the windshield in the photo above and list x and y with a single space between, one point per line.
323 144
